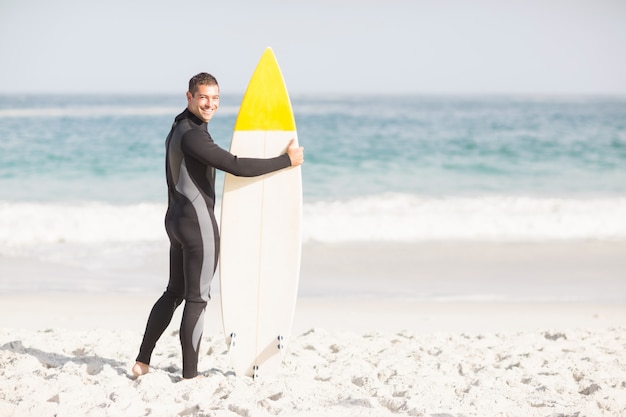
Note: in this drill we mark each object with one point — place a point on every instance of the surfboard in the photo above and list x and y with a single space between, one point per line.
260 248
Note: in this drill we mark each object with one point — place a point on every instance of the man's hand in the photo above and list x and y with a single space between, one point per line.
296 154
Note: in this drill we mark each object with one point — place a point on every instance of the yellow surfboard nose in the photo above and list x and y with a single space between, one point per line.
260 109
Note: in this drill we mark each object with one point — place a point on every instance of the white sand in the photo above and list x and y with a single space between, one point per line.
564 372
69 354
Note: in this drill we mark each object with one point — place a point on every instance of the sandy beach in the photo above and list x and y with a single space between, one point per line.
435 330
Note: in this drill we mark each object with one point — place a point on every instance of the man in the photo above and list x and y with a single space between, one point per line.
191 160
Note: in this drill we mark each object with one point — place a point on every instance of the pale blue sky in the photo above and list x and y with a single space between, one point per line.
323 46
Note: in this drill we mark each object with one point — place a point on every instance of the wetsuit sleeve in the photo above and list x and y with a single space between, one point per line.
201 146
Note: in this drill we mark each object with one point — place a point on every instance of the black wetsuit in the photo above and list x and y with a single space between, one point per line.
191 160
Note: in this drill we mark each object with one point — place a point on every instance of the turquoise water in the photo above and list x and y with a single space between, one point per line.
110 148
395 168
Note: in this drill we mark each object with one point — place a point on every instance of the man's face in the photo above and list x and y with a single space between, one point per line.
204 102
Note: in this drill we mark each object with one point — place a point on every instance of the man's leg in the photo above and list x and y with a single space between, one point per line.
162 311
200 262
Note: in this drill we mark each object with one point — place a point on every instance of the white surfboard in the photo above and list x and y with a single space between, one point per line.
261 218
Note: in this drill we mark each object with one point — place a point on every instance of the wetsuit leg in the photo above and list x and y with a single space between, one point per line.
200 251
163 310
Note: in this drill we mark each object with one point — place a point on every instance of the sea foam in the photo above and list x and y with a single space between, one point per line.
409 218
131 237
390 217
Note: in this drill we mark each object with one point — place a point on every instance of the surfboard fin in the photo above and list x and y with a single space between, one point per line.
231 340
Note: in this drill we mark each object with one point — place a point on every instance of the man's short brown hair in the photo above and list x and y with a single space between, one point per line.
202 78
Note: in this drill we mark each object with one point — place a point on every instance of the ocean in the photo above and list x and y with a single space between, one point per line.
82 177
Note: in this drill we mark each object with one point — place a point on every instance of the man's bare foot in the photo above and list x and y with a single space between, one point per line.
140 369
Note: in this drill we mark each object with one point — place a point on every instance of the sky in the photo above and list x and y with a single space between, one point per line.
322 46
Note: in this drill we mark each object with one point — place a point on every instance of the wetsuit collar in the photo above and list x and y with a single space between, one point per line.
189 115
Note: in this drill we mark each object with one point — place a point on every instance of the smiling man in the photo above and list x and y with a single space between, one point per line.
191 160
204 101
